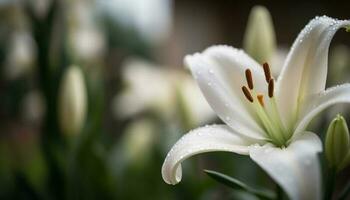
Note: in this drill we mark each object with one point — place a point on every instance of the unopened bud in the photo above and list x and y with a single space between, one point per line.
72 101
260 39
337 144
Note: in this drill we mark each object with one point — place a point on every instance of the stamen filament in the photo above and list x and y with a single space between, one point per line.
269 128
275 114
271 87
277 119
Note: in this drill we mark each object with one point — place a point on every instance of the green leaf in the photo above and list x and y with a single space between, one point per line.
238 185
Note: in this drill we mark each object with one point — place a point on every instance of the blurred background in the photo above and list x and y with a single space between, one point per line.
94 93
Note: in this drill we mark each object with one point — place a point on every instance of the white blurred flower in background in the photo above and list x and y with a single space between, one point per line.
147 87
72 101
40 7
339 60
86 39
150 18
139 139
151 87
260 40
33 107
21 54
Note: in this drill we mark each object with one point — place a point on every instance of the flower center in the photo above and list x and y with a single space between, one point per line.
267 112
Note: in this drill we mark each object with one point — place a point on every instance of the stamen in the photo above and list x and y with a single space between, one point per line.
271 87
249 77
261 99
247 94
267 72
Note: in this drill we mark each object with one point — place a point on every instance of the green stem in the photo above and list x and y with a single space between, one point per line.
330 184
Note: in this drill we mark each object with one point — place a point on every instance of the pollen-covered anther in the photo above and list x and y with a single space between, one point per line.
271 87
267 72
249 78
260 98
247 94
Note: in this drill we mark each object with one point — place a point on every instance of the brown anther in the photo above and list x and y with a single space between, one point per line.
267 72
261 99
271 87
247 94
249 77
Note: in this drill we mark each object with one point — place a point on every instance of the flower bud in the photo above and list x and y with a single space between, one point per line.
337 144
139 139
260 39
72 101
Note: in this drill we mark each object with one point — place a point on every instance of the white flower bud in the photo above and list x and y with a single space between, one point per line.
337 144
139 139
73 101
260 39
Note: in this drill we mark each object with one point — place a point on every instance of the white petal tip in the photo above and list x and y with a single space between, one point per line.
201 140
167 175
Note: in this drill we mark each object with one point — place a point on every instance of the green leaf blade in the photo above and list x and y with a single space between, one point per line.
239 185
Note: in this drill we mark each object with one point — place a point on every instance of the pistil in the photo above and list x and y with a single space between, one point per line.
260 98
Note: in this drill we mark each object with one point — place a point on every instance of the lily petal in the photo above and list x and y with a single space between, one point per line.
220 74
201 140
296 168
305 69
317 103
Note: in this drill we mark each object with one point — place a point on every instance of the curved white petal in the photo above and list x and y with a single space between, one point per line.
220 74
317 103
305 69
295 168
200 140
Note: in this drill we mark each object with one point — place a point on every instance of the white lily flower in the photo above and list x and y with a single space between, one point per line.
266 119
